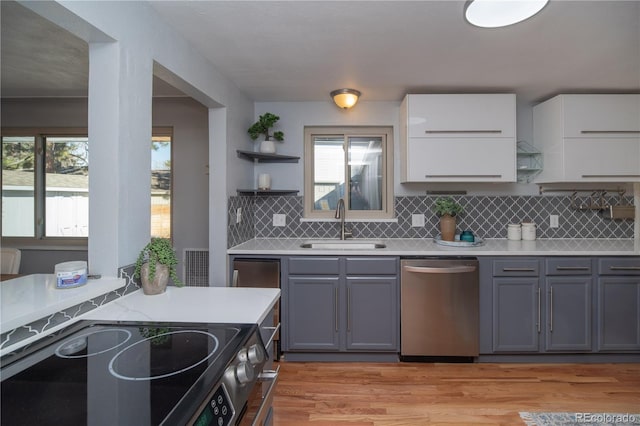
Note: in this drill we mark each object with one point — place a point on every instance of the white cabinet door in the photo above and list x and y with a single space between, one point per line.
588 138
602 160
461 160
481 115
458 138
597 116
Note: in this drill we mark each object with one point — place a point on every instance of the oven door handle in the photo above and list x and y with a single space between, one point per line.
273 334
267 399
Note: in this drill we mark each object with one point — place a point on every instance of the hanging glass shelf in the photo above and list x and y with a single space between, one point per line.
529 162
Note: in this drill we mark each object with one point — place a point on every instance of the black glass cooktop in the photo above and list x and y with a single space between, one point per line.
116 374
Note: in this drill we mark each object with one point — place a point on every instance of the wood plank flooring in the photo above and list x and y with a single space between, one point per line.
373 394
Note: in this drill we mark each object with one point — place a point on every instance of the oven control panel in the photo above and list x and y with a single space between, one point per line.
219 411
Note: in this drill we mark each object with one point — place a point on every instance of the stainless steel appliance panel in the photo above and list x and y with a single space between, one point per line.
439 307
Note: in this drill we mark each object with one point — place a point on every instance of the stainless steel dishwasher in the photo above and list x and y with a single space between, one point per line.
439 307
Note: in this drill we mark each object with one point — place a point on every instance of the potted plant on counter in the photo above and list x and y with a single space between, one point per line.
447 209
155 264
261 127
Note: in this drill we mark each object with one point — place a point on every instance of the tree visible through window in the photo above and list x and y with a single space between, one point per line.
161 186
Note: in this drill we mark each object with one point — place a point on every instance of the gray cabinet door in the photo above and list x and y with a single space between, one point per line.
619 313
568 314
313 313
372 314
516 314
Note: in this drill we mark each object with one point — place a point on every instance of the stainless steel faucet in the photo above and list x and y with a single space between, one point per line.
340 214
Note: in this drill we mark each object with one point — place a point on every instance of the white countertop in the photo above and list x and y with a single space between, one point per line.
427 247
33 297
192 304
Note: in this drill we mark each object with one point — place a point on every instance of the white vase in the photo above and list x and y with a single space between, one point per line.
268 147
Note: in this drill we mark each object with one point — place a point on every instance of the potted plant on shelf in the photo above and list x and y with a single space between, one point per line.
447 209
261 127
155 264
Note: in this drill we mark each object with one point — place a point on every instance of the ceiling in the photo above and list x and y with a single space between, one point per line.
302 50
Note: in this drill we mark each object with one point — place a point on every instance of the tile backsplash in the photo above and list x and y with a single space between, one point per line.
486 216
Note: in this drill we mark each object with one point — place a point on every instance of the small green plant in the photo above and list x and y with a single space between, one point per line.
262 126
447 205
157 335
158 250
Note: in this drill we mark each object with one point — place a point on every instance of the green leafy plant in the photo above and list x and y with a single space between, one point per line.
262 126
447 205
158 250
157 335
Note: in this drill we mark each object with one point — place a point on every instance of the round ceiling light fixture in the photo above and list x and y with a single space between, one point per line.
501 13
345 98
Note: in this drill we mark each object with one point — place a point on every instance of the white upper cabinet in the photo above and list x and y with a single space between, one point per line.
458 138
588 138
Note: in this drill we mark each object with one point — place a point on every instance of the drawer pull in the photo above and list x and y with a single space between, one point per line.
444 132
518 270
463 176
572 268
613 132
610 176
624 268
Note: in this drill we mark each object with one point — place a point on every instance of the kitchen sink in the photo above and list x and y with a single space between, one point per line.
343 245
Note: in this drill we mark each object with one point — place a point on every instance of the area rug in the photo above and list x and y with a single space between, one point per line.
580 419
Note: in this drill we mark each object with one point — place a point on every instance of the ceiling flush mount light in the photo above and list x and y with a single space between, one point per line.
501 13
345 98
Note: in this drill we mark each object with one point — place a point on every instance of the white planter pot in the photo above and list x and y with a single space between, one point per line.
268 147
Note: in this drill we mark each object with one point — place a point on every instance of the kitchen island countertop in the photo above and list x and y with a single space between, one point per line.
427 247
192 304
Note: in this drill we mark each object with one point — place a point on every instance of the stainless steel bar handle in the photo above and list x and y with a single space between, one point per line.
335 306
539 310
613 132
624 268
551 309
445 270
463 176
572 268
610 176
273 334
348 309
518 270
234 278
443 132
267 399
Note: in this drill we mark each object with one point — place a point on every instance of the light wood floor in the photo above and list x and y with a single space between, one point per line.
366 394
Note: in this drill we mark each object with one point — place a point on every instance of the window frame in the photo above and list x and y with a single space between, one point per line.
40 237
388 199
39 133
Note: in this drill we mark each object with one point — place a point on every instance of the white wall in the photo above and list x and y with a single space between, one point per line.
294 116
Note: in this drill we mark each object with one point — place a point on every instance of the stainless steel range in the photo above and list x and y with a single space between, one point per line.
136 373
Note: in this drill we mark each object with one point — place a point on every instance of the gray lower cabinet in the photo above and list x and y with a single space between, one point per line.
341 304
534 314
618 320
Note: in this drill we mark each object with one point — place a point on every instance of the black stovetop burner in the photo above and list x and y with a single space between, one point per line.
117 373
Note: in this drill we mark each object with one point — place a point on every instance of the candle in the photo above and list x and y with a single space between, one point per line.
264 181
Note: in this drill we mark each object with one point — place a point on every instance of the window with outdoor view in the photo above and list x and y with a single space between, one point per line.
352 163
161 184
45 184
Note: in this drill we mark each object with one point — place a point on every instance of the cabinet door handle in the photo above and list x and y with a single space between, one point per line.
539 310
518 270
335 307
551 309
624 268
463 176
572 268
613 132
444 132
610 176
349 309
